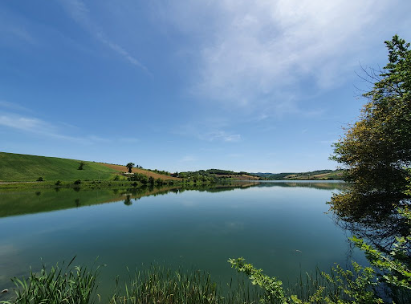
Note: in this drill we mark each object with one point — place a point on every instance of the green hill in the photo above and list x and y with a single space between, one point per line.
20 167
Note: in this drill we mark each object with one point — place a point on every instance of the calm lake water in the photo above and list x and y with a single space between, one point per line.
281 227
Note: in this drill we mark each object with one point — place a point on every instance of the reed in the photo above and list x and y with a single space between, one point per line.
69 285
160 285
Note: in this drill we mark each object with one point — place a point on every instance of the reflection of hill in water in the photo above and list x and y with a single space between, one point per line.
46 200
321 185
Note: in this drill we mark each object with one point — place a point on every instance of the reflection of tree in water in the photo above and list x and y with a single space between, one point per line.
77 201
127 201
374 218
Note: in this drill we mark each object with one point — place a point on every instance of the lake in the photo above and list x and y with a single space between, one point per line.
281 227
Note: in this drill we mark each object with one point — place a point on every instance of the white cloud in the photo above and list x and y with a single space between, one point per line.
129 140
24 123
13 106
40 127
188 158
220 136
212 130
255 51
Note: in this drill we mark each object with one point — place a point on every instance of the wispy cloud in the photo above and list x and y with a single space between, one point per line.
78 10
235 155
205 133
32 125
21 33
129 140
25 123
220 136
13 106
188 158
256 51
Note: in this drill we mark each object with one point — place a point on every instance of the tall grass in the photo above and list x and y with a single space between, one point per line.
69 285
157 284
160 285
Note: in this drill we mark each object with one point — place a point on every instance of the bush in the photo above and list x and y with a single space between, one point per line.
77 182
40 179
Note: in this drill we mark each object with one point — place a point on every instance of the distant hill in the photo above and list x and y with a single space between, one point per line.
22 168
26 168
315 175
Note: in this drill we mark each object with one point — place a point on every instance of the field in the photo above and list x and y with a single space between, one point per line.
29 168
119 168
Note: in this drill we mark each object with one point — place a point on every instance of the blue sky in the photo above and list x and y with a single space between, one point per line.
259 86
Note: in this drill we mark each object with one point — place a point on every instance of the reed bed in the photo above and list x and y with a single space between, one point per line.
157 284
60 284
160 285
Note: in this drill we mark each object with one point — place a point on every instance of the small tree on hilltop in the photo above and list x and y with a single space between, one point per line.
81 166
130 167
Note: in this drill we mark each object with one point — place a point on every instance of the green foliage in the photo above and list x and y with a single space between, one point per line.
163 172
377 149
77 182
396 270
71 285
341 286
130 167
272 286
40 179
81 165
58 183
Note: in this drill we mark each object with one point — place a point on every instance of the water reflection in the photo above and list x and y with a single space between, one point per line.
21 202
281 227
374 218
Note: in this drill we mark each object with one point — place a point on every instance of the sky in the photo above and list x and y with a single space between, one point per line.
257 86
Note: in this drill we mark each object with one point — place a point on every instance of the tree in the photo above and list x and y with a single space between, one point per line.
81 166
376 150
130 167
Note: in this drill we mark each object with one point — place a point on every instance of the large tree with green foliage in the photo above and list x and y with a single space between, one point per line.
376 150
130 167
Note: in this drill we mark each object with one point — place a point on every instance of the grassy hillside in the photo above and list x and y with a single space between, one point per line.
22 168
148 173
